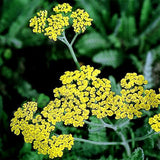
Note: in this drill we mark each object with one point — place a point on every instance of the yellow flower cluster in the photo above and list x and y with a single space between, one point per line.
39 23
155 122
37 129
131 79
56 24
81 92
80 20
22 116
133 97
65 7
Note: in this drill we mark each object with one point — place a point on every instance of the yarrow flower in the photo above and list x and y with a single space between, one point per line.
80 20
134 97
65 7
38 130
55 25
82 92
22 116
155 122
39 23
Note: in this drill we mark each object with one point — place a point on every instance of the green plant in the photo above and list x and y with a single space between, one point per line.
86 100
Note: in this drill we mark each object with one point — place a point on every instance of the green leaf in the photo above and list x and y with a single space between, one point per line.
25 90
114 20
108 58
128 27
90 43
114 86
42 100
148 69
114 40
136 62
145 12
7 54
137 154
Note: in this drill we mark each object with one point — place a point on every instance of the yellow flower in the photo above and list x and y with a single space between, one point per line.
80 20
37 129
39 23
65 7
81 92
57 23
155 122
134 98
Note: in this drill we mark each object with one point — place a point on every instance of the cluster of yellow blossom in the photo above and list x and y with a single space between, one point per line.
65 7
38 130
131 79
81 93
80 20
134 97
83 88
39 23
22 116
56 24
155 122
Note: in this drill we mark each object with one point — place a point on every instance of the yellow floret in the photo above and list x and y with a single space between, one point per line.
80 20
65 7
39 23
155 122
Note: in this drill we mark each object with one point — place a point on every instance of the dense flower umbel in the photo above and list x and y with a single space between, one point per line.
37 129
80 20
81 93
65 7
57 23
155 122
39 23
133 98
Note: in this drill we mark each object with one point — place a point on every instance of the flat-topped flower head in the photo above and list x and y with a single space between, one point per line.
81 93
56 25
38 128
39 23
132 79
22 116
134 98
65 7
81 20
155 122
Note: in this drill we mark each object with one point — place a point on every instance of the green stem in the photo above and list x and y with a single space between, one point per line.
74 38
98 143
125 143
69 45
108 125
144 137
93 124
105 125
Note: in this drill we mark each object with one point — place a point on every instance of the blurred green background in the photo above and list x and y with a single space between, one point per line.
124 37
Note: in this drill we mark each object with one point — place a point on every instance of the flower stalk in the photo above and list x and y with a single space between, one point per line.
69 45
